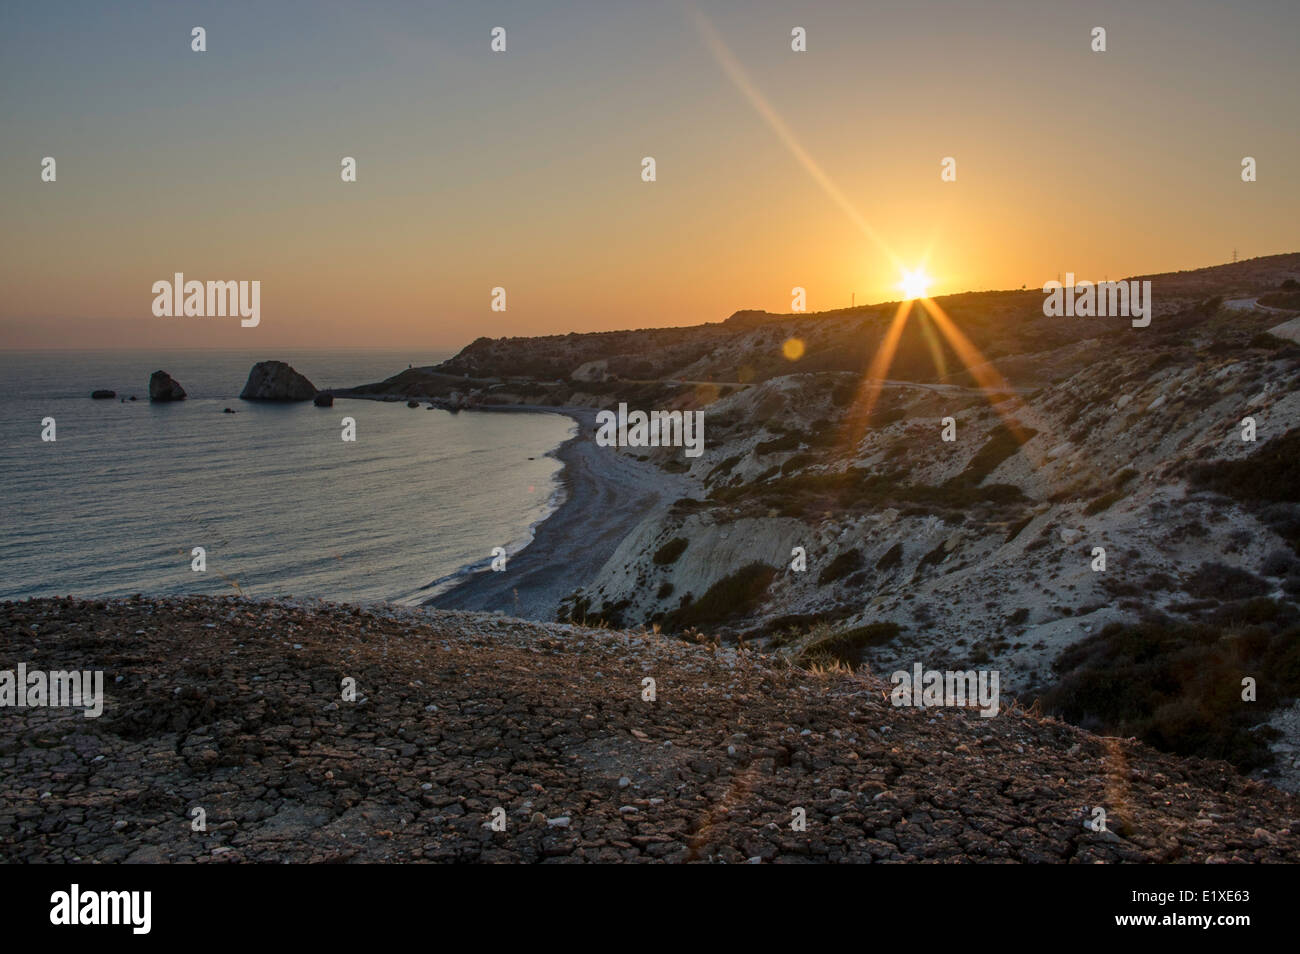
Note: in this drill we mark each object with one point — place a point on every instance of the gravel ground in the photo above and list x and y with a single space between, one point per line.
234 706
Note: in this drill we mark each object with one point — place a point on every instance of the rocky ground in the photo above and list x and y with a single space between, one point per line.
235 707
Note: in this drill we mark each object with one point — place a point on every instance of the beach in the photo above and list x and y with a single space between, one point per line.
606 494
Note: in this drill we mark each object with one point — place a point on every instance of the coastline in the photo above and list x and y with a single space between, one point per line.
605 495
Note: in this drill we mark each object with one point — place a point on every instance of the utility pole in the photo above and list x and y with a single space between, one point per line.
853 299
1234 256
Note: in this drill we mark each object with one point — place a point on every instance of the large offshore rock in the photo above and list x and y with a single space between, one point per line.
163 387
276 381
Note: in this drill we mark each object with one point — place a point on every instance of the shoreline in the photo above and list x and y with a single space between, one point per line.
606 494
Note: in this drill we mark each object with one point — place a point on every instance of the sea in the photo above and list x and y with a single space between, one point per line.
280 504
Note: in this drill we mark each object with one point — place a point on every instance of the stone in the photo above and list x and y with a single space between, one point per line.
276 381
163 387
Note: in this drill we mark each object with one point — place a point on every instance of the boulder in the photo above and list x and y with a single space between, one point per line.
276 381
103 395
324 399
163 387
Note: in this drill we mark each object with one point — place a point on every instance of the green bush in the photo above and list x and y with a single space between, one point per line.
841 566
1104 502
736 595
892 557
670 551
1270 474
1001 444
785 442
1178 685
848 646
1221 582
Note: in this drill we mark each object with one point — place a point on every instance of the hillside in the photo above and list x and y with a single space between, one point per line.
1088 435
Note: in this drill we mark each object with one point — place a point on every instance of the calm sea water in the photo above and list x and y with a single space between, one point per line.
283 506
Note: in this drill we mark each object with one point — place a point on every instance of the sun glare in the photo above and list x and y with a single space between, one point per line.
915 284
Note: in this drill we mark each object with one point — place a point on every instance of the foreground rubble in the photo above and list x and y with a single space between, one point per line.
235 707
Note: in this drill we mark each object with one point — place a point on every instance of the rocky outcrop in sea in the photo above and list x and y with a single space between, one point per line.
276 381
163 387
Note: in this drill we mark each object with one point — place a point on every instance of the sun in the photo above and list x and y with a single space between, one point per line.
915 284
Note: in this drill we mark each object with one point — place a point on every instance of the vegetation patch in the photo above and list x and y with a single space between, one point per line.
1178 686
892 557
1270 476
1001 444
856 491
1015 528
1104 502
841 566
846 647
1219 581
670 551
737 595
785 442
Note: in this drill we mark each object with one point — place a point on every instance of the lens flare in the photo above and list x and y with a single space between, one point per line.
915 284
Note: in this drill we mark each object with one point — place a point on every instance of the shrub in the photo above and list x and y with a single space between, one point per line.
1270 474
1001 444
933 558
1277 563
1177 686
736 595
670 551
1019 525
1104 502
848 646
841 566
790 441
1221 582
795 463
893 557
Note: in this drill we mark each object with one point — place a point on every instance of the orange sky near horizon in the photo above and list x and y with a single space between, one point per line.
522 169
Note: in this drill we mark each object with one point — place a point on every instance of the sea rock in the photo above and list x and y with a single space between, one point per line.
276 381
412 403
163 387
324 399
103 395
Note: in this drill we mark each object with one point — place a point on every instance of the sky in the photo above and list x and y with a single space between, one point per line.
523 169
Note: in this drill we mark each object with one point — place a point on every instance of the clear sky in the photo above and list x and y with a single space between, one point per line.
523 169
